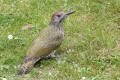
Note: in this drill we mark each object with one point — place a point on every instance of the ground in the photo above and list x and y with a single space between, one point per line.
91 48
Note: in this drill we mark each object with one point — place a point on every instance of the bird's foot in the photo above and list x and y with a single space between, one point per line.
50 56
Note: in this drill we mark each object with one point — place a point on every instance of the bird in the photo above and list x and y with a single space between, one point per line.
48 41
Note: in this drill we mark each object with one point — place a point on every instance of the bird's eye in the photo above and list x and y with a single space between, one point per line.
58 15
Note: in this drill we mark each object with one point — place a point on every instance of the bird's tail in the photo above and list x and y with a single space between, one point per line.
27 66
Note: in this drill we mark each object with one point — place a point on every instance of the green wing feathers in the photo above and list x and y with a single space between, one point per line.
48 40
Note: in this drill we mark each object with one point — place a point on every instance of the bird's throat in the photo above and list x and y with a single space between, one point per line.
58 25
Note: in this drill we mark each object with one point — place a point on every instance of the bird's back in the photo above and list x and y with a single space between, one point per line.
49 39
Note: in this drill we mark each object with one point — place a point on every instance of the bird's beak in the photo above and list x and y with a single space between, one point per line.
68 13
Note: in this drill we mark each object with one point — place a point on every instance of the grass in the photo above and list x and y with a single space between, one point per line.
91 39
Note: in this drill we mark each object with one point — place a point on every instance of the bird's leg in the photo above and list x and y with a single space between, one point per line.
51 55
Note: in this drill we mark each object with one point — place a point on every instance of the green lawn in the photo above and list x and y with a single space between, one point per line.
91 47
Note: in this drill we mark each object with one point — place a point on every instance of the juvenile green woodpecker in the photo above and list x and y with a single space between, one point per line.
49 39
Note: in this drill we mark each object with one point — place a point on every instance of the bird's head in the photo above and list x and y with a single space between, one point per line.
59 17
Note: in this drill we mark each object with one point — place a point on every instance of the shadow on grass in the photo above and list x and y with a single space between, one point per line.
59 53
45 59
